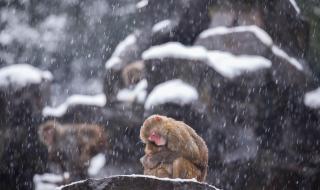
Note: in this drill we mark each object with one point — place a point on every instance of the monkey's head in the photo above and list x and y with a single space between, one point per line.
48 132
153 130
62 144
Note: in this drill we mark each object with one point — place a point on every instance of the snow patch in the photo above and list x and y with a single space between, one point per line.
260 34
20 75
227 64
121 47
48 181
129 40
312 99
160 26
280 53
52 31
19 31
175 91
113 62
139 93
257 31
142 4
96 164
295 5
231 66
96 100
175 50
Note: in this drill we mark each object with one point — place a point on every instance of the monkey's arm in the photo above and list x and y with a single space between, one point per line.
153 160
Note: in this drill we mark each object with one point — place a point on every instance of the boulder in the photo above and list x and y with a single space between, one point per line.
136 182
254 104
24 90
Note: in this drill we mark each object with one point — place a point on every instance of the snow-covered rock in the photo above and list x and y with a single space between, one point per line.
96 100
21 75
115 60
138 182
231 66
174 91
225 63
138 93
219 38
175 50
257 31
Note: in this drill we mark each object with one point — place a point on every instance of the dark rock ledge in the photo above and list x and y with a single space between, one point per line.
137 182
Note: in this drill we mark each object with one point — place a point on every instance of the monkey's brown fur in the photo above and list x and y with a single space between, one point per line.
185 154
72 145
133 73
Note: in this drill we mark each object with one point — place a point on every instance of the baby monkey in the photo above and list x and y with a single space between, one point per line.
173 149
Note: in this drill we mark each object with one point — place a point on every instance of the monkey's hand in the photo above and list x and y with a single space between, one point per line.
149 162
153 160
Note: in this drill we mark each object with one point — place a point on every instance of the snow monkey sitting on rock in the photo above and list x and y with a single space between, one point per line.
72 146
173 149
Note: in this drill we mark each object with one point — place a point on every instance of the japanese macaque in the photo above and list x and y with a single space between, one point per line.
173 149
71 146
133 73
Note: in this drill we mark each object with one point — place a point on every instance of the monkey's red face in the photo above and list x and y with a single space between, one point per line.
157 139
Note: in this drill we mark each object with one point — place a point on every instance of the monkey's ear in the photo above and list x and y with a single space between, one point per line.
48 132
